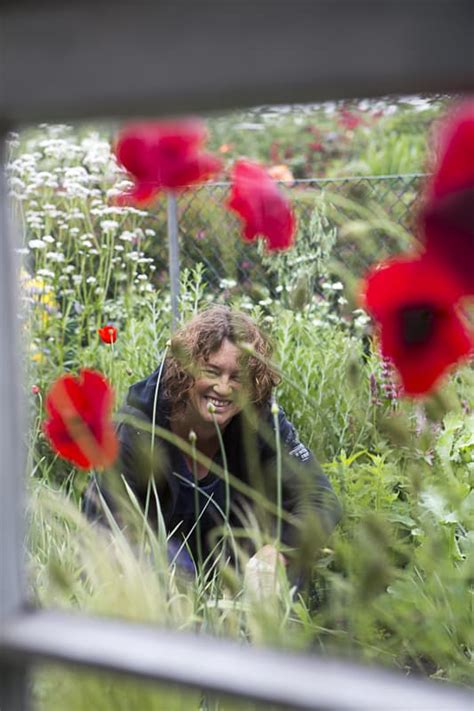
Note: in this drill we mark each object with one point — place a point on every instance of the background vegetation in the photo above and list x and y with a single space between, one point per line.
394 583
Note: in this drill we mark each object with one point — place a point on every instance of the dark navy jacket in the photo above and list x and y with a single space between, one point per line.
251 458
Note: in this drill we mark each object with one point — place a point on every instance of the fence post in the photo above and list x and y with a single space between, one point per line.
173 256
12 676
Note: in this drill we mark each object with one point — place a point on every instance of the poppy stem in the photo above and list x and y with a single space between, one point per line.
197 507
173 256
276 424
224 466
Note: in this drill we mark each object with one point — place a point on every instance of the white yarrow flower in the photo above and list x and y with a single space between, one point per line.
36 244
55 256
109 225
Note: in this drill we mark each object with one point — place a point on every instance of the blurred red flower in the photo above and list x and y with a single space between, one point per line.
421 332
35 390
447 216
107 334
258 201
163 155
78 425
348 120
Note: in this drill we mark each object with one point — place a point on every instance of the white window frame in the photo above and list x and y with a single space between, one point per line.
178 56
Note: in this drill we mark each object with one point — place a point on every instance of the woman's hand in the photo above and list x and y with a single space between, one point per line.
262 572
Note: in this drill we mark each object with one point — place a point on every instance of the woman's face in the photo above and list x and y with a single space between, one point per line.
218 382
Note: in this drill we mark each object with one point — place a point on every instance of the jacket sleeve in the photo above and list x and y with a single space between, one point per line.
306 491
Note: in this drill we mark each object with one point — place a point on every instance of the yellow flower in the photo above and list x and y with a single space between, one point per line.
36 355
39 294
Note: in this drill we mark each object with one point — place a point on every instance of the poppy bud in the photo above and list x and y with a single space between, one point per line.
107 334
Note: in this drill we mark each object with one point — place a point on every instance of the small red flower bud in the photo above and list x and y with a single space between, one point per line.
107 334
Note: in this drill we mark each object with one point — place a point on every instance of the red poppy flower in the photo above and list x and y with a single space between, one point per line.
256 198
79 426
163 156
420 330
349 120
447 217
107 334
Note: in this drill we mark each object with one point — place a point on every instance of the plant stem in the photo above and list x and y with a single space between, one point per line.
192 439
224 465
151 479
275 411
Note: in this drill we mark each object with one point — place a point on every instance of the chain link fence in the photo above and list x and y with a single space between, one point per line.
363 219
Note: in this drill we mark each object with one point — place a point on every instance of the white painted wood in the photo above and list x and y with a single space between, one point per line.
12 686
71 60
90 59
285 679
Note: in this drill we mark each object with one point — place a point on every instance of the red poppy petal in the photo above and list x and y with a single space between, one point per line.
184 135
421 367
140 194
399 281
164 155
455 169
262 207
188 171
450 243
78 427
447 216
97 392
403 284
107 334
84 453
65 397
133 153
64 444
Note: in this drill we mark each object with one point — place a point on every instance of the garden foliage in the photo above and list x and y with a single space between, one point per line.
394 583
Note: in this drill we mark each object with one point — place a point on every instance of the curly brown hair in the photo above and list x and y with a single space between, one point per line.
194 342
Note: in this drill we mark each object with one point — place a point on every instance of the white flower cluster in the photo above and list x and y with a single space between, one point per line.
85 250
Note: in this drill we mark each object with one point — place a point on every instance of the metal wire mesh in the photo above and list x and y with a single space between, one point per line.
210 234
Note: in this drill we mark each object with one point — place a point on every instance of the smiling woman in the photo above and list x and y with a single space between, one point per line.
214 392
215 395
